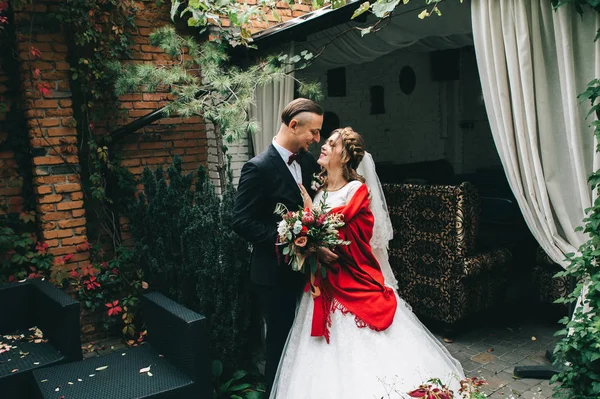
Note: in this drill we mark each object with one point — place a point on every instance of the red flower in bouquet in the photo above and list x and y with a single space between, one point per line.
434 390
307 217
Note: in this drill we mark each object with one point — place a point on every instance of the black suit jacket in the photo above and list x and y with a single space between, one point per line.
265 181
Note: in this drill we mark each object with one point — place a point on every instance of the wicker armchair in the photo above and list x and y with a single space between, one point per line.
176 351
440 272
23 306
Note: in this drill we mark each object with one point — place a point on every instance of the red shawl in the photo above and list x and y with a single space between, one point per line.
355 280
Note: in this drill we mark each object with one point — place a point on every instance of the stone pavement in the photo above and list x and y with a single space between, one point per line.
488 352
493 352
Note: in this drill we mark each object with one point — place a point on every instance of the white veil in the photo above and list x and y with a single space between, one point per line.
382 229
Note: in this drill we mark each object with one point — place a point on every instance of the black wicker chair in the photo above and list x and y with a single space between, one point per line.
176 352
56 314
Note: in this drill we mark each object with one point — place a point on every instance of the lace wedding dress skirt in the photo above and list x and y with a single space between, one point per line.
358 362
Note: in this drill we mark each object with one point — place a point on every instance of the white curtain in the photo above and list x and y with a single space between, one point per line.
270 100
533 62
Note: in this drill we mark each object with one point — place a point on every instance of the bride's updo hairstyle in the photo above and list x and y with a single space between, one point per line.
353 151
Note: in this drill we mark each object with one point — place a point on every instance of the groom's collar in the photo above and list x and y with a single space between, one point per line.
283 152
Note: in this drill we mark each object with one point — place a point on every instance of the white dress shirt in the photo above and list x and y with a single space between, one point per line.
294 167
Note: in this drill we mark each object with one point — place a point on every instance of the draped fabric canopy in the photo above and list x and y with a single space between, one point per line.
404 31
533 61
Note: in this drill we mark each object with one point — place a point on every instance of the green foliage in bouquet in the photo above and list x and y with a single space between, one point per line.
188 251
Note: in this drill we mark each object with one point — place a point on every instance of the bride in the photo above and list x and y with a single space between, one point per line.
354 337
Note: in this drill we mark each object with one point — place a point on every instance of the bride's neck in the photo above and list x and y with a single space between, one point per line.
335 180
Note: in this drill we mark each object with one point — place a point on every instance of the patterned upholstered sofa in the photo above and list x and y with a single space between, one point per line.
548 289
441 273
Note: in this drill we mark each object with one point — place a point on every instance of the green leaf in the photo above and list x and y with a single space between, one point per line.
239 374
382 9
174 8
217 368
361 10
240 387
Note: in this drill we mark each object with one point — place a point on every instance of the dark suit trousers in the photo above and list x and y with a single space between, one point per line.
278 306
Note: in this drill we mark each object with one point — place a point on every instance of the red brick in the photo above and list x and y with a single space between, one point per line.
130 162
185 143
47 160
63 206
45 208
154 97
63 250
42 104
145 105
52 216
77 195
49 179
52 243
10 191
131 97
59 112
64 224
49 122
49 226
151 145
155 161
73 178
42 189
80 230
62 131
62 66
80 256
57 234
49 199
74 240
78 212
67 188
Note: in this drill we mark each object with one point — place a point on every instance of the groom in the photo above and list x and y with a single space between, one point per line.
269 178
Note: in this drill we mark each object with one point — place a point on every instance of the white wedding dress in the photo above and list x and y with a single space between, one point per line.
360 363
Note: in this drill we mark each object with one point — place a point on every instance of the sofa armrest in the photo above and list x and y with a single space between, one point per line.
181 335
57 315
486 261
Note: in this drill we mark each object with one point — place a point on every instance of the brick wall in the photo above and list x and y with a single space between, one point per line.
59 197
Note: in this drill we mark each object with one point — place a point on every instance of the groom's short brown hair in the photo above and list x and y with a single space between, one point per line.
298 106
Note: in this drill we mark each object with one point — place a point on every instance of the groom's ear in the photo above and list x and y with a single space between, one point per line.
293 124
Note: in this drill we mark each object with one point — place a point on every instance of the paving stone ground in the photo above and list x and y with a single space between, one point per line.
493 353
488 352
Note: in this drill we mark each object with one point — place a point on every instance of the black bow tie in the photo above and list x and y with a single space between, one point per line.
294 157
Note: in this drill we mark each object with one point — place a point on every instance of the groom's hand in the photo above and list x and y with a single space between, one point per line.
326 256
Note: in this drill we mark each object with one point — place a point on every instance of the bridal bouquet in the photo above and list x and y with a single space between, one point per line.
305 230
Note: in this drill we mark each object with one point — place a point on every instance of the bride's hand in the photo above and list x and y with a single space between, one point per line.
326 256
305 197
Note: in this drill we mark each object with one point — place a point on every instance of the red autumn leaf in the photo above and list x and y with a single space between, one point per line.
85 246
44 88
3 5
11 278
36 73
3 20
113 308
73 273
35 52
